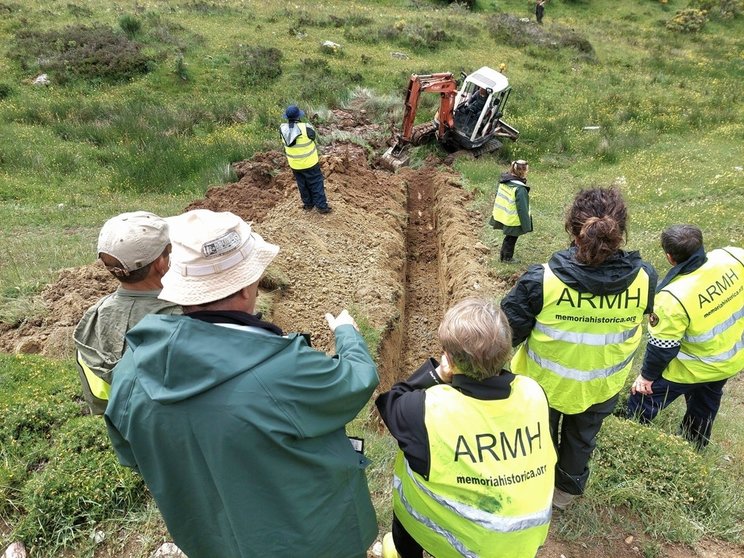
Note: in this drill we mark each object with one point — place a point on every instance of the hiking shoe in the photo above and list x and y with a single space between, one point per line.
307 207
324 209
561 499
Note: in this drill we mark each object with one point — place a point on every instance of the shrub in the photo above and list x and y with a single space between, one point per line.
663 479
180 69
513 31
130 25
6 90
93 53
81 484
416 36
255 65
689 20
722 9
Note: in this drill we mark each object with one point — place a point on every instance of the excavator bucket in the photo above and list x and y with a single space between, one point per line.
395 157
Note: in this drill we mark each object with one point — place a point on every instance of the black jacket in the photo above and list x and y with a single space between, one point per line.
524 302
402 408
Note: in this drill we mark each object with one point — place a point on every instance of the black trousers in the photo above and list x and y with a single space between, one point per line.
311 186
703 401
405 544
507 247
575 437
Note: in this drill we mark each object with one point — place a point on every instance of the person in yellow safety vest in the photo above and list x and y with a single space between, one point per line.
135 249
302 155
511 208
696 333
578 322
474 474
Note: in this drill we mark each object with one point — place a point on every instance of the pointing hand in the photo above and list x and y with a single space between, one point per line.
344 318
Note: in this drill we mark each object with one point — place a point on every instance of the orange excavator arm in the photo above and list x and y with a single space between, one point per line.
444 84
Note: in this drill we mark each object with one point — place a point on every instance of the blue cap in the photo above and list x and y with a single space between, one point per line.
293 112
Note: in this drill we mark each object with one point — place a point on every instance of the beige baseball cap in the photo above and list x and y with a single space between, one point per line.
135 239
214 255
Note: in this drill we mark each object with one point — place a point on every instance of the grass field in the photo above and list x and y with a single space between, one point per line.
183 88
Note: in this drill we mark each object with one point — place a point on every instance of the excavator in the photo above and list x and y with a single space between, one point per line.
468 118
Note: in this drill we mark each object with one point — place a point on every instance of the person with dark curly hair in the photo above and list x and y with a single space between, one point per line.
576 321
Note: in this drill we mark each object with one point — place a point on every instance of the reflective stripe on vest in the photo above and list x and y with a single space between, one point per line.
303 154
712 297
98 387
491 476
505 204
582 345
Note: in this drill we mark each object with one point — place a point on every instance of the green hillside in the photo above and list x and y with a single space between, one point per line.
148 104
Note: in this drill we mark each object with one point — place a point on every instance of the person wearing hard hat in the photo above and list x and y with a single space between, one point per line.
302 155
236 427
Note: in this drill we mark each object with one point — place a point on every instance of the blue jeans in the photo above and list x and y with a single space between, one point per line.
310 185
703 401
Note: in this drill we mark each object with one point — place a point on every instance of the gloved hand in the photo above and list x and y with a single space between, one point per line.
344 318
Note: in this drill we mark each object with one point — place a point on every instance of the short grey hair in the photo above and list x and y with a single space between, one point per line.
476 334
681 241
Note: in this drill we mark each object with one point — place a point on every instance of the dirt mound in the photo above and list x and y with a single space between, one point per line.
397 248
64 303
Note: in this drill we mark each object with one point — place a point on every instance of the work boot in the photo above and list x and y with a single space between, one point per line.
326 209
510 260
307 207
561 499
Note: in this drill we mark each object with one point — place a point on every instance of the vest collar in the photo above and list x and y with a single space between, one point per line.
688 266
497 387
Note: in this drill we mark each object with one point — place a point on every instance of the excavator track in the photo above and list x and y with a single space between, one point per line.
488 147
422 133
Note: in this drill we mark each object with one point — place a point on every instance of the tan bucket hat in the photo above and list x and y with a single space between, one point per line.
214 255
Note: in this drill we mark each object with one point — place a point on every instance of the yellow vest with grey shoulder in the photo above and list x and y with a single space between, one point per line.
581 347
505 204
490 485
303 154
708 306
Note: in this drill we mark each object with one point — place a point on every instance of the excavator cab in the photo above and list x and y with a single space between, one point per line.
479 105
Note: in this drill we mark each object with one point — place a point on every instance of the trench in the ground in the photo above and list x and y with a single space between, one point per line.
413 336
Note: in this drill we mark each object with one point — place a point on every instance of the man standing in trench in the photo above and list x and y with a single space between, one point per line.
236 428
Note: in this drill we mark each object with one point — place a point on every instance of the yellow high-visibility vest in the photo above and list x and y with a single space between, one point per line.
505 204
708 305
582 345
95 387
490 485
303 154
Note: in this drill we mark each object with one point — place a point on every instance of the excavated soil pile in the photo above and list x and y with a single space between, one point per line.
397 249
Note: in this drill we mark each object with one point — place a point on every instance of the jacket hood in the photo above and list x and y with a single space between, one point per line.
175 358
612 277
507 176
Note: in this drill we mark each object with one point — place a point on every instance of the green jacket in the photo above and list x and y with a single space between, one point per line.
239 435
100 335
522 200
